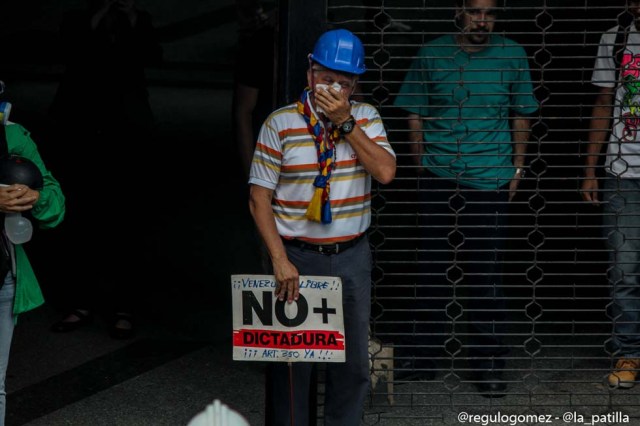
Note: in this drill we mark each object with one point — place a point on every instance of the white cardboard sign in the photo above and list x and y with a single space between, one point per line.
310 329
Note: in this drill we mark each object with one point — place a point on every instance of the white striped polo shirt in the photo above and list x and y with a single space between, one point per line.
286 161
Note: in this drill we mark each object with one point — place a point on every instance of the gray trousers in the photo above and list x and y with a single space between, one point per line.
346 383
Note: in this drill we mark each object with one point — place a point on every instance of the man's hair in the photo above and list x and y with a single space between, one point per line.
499 3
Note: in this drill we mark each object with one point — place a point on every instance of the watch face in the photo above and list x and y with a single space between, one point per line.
347 127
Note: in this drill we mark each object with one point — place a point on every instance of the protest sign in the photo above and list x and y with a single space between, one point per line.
310 329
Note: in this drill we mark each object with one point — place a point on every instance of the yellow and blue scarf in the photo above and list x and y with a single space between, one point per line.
319 209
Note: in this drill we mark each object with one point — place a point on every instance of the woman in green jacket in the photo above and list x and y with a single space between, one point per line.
19 289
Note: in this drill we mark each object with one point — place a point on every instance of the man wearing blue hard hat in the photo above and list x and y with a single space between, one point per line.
310 197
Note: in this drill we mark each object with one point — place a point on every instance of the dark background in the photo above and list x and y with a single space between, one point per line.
202 228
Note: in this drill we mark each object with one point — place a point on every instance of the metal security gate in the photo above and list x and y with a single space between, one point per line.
546 291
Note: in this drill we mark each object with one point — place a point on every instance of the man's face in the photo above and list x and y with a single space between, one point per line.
319 74
634 8
477 19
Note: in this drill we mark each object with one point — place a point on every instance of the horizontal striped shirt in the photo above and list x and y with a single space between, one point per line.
286 161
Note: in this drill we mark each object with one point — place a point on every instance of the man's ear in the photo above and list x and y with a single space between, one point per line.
310 78
353 87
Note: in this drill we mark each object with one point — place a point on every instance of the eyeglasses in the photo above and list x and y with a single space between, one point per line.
347 81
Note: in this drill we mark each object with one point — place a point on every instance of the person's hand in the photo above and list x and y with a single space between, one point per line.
100 12
253 19
515 181
17 198
589 190
128 7
334 103
287 279
513 185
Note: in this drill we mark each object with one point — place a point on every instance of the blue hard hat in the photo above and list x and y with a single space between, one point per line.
340 50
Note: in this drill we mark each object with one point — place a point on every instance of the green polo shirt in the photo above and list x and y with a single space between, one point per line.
465 101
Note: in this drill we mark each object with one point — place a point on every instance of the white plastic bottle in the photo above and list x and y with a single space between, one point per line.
18 228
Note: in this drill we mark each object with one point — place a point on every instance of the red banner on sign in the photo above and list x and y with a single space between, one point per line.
306 339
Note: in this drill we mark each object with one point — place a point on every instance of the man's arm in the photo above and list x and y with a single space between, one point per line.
285 272
521 128
375 159
416 143
599 128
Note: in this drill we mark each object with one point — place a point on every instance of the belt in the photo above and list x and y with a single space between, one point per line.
327 249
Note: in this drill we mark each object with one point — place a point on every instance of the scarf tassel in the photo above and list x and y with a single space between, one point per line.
315 210
319 209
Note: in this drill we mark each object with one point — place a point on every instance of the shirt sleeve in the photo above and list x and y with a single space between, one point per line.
370 122
412 96
267 157
523 102
604 69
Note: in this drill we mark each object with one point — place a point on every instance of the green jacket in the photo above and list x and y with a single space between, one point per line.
48 211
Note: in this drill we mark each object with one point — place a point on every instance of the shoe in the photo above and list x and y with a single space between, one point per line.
72 321
490 383
625 373
122 327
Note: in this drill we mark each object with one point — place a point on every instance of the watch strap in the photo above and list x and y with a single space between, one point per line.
347 127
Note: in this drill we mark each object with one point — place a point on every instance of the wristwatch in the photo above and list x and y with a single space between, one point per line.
347 127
